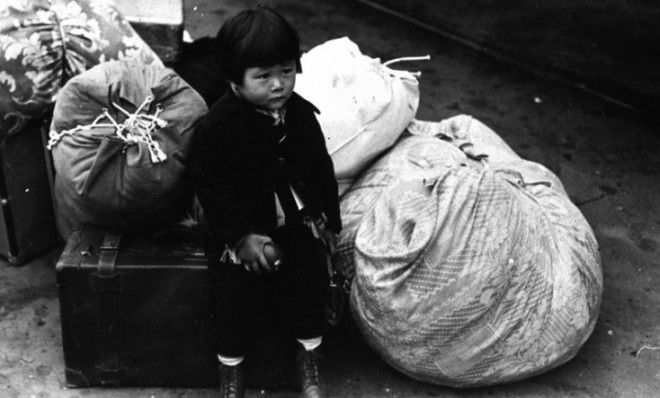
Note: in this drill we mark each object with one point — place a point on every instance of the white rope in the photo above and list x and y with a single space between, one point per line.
426 57
138 127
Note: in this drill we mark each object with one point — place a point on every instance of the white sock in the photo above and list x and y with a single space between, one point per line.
230 361
311 344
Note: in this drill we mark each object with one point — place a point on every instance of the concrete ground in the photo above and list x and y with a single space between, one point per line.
609 161
576 39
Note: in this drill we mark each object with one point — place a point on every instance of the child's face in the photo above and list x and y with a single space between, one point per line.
267 87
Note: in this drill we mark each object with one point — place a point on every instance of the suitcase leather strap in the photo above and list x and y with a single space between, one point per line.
108 255
107 277
108 286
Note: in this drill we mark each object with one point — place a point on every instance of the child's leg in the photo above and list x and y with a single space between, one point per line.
300 303
299 285
237 294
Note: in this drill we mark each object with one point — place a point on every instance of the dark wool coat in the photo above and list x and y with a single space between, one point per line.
233 165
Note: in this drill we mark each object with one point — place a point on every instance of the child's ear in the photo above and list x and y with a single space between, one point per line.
234 88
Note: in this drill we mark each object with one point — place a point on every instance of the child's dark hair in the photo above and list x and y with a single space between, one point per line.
256 37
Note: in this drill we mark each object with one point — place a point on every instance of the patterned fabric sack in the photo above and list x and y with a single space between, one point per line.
43 43
471 265
364 104
119 137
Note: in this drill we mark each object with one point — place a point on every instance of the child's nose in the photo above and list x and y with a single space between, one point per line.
276 83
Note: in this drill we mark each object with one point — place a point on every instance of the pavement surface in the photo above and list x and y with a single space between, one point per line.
608 160
600 44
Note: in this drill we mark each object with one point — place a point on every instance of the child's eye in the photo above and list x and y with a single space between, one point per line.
289 71
262 76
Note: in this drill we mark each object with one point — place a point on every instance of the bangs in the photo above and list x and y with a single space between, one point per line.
268 44
259 37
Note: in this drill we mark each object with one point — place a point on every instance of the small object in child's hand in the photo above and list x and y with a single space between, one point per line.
273 255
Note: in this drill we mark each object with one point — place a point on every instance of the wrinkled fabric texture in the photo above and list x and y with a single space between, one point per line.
43 43
103 180
364 105
467 269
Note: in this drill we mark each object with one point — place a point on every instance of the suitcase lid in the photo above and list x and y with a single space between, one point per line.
97 248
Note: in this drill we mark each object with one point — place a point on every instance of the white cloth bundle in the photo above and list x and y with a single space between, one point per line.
365 105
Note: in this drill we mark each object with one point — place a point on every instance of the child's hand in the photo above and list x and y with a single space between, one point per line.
251 253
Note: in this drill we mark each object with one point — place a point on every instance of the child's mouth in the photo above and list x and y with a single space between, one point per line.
277 99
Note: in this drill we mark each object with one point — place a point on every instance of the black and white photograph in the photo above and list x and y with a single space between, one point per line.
329 198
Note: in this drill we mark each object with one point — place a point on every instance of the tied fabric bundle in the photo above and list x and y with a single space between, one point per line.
470 265
119 137
365 105
43 43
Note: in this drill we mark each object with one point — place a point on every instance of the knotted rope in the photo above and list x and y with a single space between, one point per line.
138 127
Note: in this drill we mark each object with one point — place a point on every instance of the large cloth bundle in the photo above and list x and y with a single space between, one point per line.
43 43
119 137
471 265
365 105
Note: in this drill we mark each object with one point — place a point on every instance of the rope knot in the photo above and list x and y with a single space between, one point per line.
138 127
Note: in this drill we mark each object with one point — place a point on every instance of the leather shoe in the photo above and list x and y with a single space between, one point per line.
308 374
232 381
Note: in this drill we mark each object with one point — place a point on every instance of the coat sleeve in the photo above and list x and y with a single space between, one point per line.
325 173
216 183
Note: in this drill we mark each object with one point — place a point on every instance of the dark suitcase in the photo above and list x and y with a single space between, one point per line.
134 309
27 221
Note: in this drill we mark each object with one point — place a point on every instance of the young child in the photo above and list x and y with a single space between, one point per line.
257 159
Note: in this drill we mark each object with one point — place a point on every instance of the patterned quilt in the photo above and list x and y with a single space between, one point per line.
470 266
43 43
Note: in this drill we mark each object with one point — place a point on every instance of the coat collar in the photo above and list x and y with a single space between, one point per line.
230 103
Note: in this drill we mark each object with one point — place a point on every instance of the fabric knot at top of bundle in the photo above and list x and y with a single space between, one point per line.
138 127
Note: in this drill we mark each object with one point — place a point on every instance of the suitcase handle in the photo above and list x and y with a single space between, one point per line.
108 257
